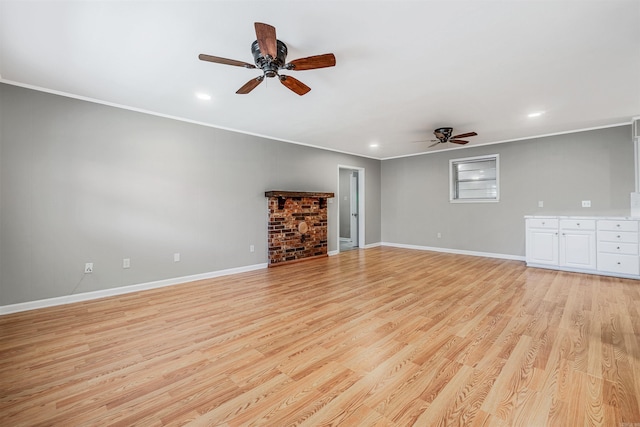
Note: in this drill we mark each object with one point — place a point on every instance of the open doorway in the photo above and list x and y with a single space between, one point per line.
350 208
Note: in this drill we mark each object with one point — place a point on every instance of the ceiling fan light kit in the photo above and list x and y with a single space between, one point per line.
270 56
443 134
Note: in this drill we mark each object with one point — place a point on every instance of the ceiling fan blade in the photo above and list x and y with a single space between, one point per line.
266 35
295 85
433 145
458 141
464 135
312 62
225 61
250 85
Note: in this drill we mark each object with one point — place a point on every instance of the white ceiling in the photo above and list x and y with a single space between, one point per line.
403 67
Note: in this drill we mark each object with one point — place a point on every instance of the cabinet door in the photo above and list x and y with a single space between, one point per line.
542 246
578 249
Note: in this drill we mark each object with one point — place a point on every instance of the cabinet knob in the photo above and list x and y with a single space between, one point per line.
578 224
618 262
618 248
543 223
618 236
617 225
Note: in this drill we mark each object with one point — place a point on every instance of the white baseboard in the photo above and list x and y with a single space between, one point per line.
87 296
580 270
455 251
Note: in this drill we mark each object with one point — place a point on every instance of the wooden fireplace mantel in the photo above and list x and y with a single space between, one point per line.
315 194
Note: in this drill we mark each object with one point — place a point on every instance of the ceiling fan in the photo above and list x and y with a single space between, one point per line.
270 55
443 136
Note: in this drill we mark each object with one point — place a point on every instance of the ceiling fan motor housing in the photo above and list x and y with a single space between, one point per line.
443 134
270 66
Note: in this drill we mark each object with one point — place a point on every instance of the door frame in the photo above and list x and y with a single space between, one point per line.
361 204
354 211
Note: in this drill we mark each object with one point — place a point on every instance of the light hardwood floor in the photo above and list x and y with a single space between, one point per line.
383 336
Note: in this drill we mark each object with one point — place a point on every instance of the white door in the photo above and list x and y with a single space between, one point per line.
354 208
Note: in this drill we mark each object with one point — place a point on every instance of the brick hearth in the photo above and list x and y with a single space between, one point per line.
297 225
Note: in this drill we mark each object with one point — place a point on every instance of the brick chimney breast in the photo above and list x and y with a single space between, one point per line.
297 227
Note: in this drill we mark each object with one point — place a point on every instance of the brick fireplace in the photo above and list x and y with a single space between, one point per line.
297 226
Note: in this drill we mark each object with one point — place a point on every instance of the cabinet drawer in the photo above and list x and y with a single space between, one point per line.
606 224
542 223
577 224
618 248
617 236
623 264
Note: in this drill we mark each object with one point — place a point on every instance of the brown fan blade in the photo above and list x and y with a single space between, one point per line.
433 145
312 62
458 141
250 85
266 35
295 85
464 135
225 61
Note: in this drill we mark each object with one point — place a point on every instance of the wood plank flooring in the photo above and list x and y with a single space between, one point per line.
376 337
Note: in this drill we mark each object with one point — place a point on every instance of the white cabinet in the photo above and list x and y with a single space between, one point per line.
542 241
618 247
597 245
578 243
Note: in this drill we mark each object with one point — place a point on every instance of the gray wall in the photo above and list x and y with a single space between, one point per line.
561 171
82 182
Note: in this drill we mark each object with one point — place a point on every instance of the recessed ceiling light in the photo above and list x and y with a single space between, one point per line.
536 114
374 145
203 96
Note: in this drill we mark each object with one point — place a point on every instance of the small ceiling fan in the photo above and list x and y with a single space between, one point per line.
270 55
443 136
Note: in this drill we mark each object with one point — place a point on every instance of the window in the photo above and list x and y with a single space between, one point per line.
474 179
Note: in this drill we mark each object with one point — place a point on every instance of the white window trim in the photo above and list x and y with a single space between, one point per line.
468 159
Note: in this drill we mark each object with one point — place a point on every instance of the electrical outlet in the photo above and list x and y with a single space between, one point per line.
252 248
126 263
176 257
586 203
540 204
439 235
88 268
